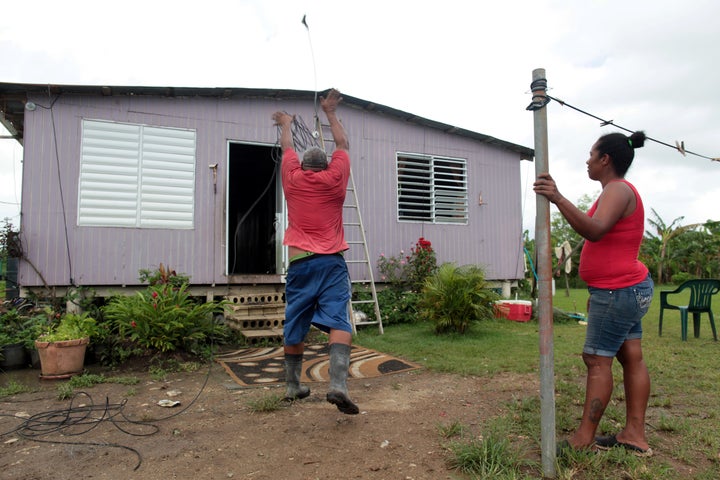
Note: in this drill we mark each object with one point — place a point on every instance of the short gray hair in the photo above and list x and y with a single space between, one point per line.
315 157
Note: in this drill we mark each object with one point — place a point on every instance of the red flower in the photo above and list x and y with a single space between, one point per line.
424 244
154 294
133 324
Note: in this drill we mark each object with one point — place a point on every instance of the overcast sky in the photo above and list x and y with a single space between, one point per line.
645 64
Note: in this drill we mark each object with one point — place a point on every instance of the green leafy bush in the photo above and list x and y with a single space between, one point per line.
395 306
164 317
455 296
681 277
10 327
71 326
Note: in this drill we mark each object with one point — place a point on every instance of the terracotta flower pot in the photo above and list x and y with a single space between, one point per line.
61 359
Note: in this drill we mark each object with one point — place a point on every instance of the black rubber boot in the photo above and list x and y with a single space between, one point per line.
339 365
293 369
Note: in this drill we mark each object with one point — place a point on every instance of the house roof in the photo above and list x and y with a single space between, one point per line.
13 102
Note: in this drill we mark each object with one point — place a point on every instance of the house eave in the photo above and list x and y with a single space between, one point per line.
13 99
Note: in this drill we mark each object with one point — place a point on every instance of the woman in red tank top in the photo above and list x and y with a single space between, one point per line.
620 292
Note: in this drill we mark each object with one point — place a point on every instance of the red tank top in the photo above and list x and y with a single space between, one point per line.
612 262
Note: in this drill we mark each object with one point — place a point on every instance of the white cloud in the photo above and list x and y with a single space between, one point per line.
646 64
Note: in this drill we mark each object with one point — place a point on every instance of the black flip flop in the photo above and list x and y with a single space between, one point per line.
606 443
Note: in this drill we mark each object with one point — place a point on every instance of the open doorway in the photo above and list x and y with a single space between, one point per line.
255 210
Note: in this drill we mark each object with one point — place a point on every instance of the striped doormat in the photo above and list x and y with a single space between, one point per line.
266 366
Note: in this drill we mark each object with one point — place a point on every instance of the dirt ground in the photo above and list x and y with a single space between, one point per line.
214 434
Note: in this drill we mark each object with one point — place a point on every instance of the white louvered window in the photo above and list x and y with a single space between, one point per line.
136 176
432 189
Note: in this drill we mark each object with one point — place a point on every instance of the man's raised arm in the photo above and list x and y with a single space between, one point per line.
329 105
284 121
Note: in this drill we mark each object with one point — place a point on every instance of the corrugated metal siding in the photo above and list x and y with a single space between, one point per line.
113 256
492 237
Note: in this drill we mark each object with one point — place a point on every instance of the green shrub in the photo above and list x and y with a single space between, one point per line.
164 317
454 297
10 327
396 306
681 277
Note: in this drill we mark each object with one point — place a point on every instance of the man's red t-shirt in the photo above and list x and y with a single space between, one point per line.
315 203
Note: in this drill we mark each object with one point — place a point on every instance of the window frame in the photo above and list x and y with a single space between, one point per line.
431 189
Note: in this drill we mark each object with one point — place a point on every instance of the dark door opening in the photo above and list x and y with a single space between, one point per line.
253 172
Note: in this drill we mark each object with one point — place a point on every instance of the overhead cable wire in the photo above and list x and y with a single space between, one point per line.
312 54
679 146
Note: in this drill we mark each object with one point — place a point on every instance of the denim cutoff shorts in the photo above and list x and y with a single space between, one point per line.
317 293
615 316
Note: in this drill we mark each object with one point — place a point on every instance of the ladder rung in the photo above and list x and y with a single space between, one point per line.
355 302
357 261
367 323
352 224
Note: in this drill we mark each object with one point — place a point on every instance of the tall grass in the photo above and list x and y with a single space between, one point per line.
683 417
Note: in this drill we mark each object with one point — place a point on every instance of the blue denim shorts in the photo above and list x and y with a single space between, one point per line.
317 293
615 316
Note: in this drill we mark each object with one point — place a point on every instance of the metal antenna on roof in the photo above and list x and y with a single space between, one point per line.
316 134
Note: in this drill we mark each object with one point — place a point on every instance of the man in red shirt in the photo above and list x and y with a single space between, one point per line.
318 285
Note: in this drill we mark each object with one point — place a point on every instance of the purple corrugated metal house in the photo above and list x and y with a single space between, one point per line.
118 179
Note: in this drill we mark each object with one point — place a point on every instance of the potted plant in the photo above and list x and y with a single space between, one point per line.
12 349
62 347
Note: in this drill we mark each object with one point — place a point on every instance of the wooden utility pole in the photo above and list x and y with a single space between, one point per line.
544 270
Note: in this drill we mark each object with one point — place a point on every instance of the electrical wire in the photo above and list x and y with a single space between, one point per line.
302 137
679 147
60 186
312 55
76 420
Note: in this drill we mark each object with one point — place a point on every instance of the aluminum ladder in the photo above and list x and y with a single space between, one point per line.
358 253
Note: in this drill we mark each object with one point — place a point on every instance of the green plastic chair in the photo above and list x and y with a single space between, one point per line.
701 292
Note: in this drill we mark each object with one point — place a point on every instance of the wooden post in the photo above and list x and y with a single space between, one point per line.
544 270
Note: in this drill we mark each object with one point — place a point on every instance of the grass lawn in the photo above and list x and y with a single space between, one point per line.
683 418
